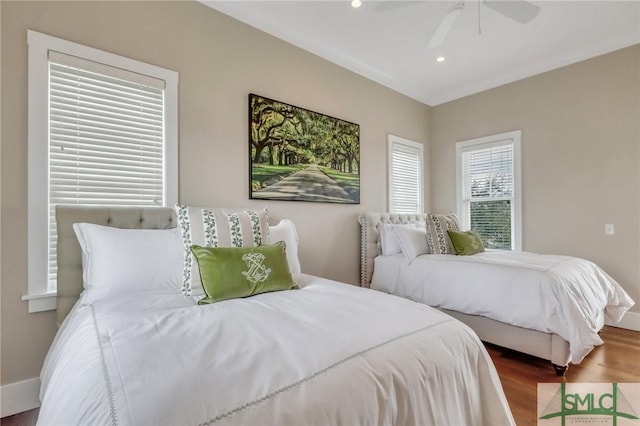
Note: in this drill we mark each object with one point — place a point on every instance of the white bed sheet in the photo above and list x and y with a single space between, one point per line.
326 354
553 294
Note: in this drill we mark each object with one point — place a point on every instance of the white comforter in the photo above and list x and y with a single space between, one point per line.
327 354
553 294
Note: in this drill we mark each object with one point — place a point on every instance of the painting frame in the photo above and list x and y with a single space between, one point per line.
296 154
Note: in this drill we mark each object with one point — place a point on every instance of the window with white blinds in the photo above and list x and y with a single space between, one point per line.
106 138
109 125
405 175
488 187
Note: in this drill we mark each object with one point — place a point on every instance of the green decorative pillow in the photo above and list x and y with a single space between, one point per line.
467 242
232 272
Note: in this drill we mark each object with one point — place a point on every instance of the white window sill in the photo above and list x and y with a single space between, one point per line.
41 302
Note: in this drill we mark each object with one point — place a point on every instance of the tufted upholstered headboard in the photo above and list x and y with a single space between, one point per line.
69 256
369 238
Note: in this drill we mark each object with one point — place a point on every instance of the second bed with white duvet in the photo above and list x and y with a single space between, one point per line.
563 295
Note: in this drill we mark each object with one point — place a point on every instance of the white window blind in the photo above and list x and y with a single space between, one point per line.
106 138
488 190
103 130
405 175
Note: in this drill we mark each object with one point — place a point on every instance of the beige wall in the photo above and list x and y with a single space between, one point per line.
220 62
580 158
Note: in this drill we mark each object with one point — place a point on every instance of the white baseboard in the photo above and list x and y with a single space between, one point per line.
630 321
20 396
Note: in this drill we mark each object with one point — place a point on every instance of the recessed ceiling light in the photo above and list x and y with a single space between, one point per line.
356 3
440 59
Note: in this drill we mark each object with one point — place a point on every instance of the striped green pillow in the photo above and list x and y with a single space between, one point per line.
211 227
438 240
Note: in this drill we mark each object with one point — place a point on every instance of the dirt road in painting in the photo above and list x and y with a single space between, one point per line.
309 184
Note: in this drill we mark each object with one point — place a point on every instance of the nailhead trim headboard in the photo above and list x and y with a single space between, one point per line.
370 236
69 255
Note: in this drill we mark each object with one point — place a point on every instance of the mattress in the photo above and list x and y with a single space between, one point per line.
328 353
552 294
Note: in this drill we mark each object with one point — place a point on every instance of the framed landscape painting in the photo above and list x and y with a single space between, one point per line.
301 155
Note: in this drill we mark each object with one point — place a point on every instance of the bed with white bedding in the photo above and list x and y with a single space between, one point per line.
327 353
549 306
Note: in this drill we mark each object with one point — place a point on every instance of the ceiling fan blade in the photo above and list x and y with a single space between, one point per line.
447 23
519 10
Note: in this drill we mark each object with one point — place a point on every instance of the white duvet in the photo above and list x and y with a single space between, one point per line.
327 354
554 294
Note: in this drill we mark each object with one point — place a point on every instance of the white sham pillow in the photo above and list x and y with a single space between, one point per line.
389 243
413 241
127 260
286 231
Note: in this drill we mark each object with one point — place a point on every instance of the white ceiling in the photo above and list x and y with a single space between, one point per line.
386 41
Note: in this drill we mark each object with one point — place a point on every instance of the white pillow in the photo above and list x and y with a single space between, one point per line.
286 231
413 241
388 239
126 260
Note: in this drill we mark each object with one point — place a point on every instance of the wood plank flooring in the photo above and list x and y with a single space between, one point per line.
618 360
28 418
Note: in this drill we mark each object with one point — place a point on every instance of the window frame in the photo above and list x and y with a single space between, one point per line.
391 140
508 138
39 296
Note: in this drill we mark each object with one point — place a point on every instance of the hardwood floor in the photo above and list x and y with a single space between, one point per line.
618 360
28 418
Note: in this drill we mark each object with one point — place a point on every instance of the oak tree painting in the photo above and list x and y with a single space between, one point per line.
301 155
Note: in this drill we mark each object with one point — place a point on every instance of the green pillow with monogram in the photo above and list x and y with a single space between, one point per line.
233 272
466 243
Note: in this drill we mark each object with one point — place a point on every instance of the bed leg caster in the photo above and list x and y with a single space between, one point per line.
560 370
